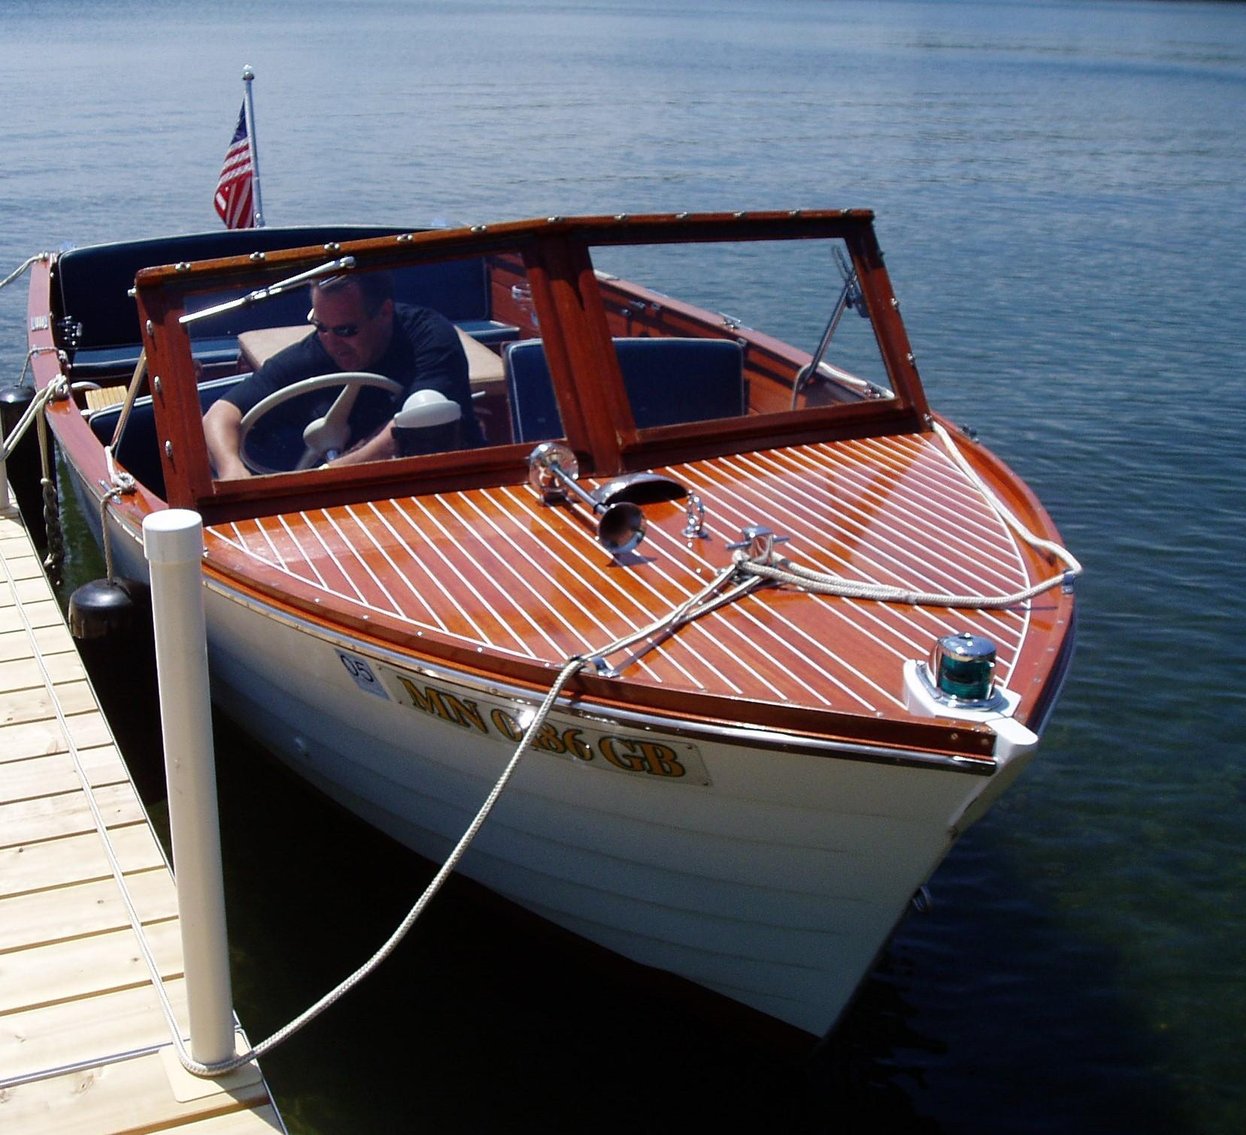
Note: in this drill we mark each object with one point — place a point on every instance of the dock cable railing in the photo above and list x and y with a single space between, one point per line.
114 864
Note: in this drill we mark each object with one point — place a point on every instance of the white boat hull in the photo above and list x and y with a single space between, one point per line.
768 873
775 884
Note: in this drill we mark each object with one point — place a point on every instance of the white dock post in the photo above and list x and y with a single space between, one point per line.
173 544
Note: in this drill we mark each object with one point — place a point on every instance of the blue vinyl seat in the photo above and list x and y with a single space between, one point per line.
669 381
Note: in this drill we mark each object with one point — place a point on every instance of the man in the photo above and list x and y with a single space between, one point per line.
358 327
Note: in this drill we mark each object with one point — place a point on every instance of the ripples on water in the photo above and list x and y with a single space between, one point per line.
1059 190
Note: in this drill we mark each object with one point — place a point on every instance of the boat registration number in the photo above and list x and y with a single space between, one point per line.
638 754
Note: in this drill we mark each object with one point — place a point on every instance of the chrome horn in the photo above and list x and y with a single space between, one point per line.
552 471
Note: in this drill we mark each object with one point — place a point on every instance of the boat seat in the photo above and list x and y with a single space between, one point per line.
669 381
534 410
255 348
101 397
139 451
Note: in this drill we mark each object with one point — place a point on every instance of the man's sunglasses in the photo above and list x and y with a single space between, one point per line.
341 331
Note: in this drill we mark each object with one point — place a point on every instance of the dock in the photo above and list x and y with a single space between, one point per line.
90 943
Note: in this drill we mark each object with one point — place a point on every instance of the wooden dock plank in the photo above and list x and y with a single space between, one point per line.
30 739
41 918
43 613
38 702
84 1038
57 772
87 730
30 867
76 1032
50 642
19 674
128 1096
27 821
83 967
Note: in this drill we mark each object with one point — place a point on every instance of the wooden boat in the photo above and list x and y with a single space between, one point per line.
813 632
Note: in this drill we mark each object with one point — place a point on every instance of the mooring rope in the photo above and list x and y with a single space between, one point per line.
782 571
33 409
199 1069
709 598
115 493
55 557
749 570
22 268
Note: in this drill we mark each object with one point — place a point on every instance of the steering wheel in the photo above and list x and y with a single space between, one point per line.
331 431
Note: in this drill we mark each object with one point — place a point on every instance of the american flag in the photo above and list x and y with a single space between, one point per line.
233 200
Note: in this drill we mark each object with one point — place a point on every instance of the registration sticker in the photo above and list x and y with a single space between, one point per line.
365 679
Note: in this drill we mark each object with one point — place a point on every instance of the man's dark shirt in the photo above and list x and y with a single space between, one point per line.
424 353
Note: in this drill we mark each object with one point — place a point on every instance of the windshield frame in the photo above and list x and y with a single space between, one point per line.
570 301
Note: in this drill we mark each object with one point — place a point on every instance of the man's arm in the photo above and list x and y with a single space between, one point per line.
378 447
441 364
221 428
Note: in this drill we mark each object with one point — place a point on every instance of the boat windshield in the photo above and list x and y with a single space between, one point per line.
354 366
794 310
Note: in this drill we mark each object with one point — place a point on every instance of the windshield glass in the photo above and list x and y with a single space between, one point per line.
351 366
359 366
768 308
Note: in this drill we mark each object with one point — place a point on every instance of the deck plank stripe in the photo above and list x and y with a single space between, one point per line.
529 580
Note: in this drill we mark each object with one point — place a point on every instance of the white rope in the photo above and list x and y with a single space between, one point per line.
18 271
195 1067
33 410
786 572
1048 546
706 600
749 574
781 571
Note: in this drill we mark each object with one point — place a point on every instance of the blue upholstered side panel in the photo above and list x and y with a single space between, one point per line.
139 451
534 410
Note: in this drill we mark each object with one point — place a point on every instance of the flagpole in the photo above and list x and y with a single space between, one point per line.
248 77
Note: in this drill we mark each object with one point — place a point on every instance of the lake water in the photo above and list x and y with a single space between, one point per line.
1060 192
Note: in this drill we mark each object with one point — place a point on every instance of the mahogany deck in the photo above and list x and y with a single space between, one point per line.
84 1045
494 569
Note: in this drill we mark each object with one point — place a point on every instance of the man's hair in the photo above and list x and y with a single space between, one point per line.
374 287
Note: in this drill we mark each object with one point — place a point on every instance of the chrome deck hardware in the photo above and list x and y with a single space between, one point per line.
552 471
